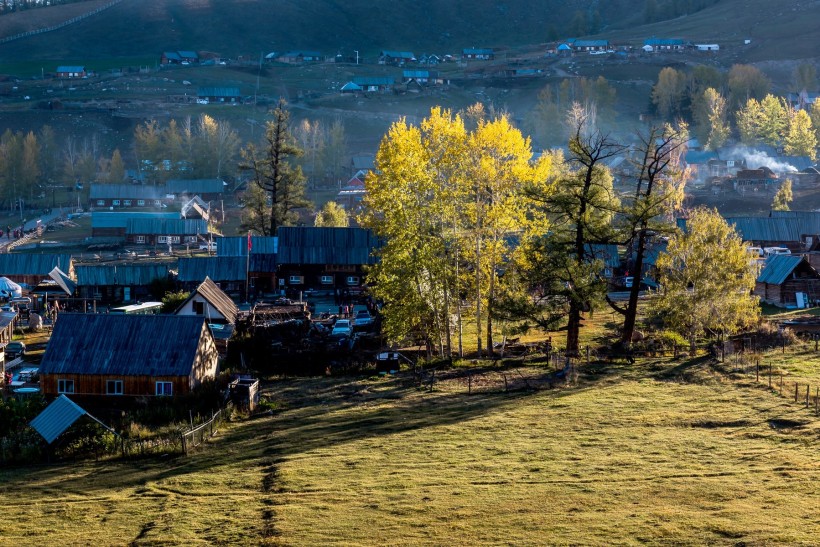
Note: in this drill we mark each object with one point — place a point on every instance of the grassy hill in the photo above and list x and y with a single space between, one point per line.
659 453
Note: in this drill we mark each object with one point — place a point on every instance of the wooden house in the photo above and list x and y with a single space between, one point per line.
262 264
374 84
127 196
588 46
69 72
299 57
31 269
768 231
324 258
664 44
481 54
229 273
181 57
107 224
165 231
788 281
211 302
422 77
109 284
206 189
219 94
756 180
398 58
120 355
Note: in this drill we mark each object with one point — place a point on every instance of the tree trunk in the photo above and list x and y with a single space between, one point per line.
573 329
632 306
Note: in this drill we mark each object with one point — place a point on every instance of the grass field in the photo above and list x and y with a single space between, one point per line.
655 453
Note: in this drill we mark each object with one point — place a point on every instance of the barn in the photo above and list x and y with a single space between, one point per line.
116 355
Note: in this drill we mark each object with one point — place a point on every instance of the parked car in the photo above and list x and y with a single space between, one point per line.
342 327
363 318
15 349
210 246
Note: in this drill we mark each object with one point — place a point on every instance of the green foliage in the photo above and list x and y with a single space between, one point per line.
706 279
783 198
332 215
172 300
746 82
801 139
668 92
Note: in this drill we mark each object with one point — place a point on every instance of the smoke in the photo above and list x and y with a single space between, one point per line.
755 159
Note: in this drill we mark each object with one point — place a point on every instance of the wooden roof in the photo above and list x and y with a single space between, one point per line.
217 298
123 345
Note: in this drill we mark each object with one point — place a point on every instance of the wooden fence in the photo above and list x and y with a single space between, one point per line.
201 433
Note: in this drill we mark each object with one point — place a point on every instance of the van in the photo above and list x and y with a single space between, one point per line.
771 251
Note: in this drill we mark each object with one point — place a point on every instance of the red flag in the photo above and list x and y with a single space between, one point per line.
249 242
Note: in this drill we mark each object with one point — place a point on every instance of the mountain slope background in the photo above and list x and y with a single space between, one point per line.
234 27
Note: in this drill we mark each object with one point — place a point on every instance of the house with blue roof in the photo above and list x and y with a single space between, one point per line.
68 72
399 58
788 281
477 53
665 44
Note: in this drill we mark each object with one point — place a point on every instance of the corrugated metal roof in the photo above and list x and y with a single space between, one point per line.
228 92
263 263
6 317
663 42
56 418
63 281
217 298
606 253
126 191
591 43
311 245
398 54
123 345
808 221
476 51
104 219
126 275
167 226
778 268
238 246
195 186
416 73
32 264
71 68
218 268
779 230
365 81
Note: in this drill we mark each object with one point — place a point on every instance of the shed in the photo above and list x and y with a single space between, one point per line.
220 94
784 277
127 355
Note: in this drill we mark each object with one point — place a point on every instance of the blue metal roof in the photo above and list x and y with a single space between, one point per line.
125 275
195 186
126 191
238 246
32 264
476 51
167 226
218 268
311 245
227 92
373 80
778 268
103 219
663 42
56 418
776 230
123 345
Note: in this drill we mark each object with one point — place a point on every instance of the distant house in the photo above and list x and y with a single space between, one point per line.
388 57
219 94
206 189
422 77
351 88
430 60
262 265
563 49
664 44
299 57
580 46
783 277
707 47
363 163
126 195
121 283
329 258
165 231
179 57
725 168
31 269
196 208
228 272
803 100
350 196
755 180
374 83
482 54
120 355
105 224
68 72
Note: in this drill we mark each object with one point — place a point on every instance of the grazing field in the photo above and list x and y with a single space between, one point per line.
658 452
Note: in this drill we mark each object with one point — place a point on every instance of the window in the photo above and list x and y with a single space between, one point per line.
127 202
100 203
174 239
164 389
113 387
140 202
115 202
140 239
327 280
199 307
157 202
65 386
190 239
162 239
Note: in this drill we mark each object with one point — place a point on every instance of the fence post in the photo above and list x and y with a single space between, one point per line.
757 371
770 376
587 355
184 448
808 390
505 381
795 392
781 383
816 400
469 383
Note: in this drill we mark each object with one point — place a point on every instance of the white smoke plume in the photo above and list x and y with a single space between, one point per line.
755 159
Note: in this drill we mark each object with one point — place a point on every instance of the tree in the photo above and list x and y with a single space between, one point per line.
561 263
746 82
748 120
801 139
335 149
712 119
774 120
30 173
332 215
172 300
255 213
668 92
116 169
273 172
783 198
814 114
707 279
805 78
659 191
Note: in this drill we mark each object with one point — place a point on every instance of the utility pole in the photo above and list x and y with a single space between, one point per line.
357 55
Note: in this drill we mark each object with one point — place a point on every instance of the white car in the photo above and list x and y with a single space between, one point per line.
342 327
208 246
362 318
